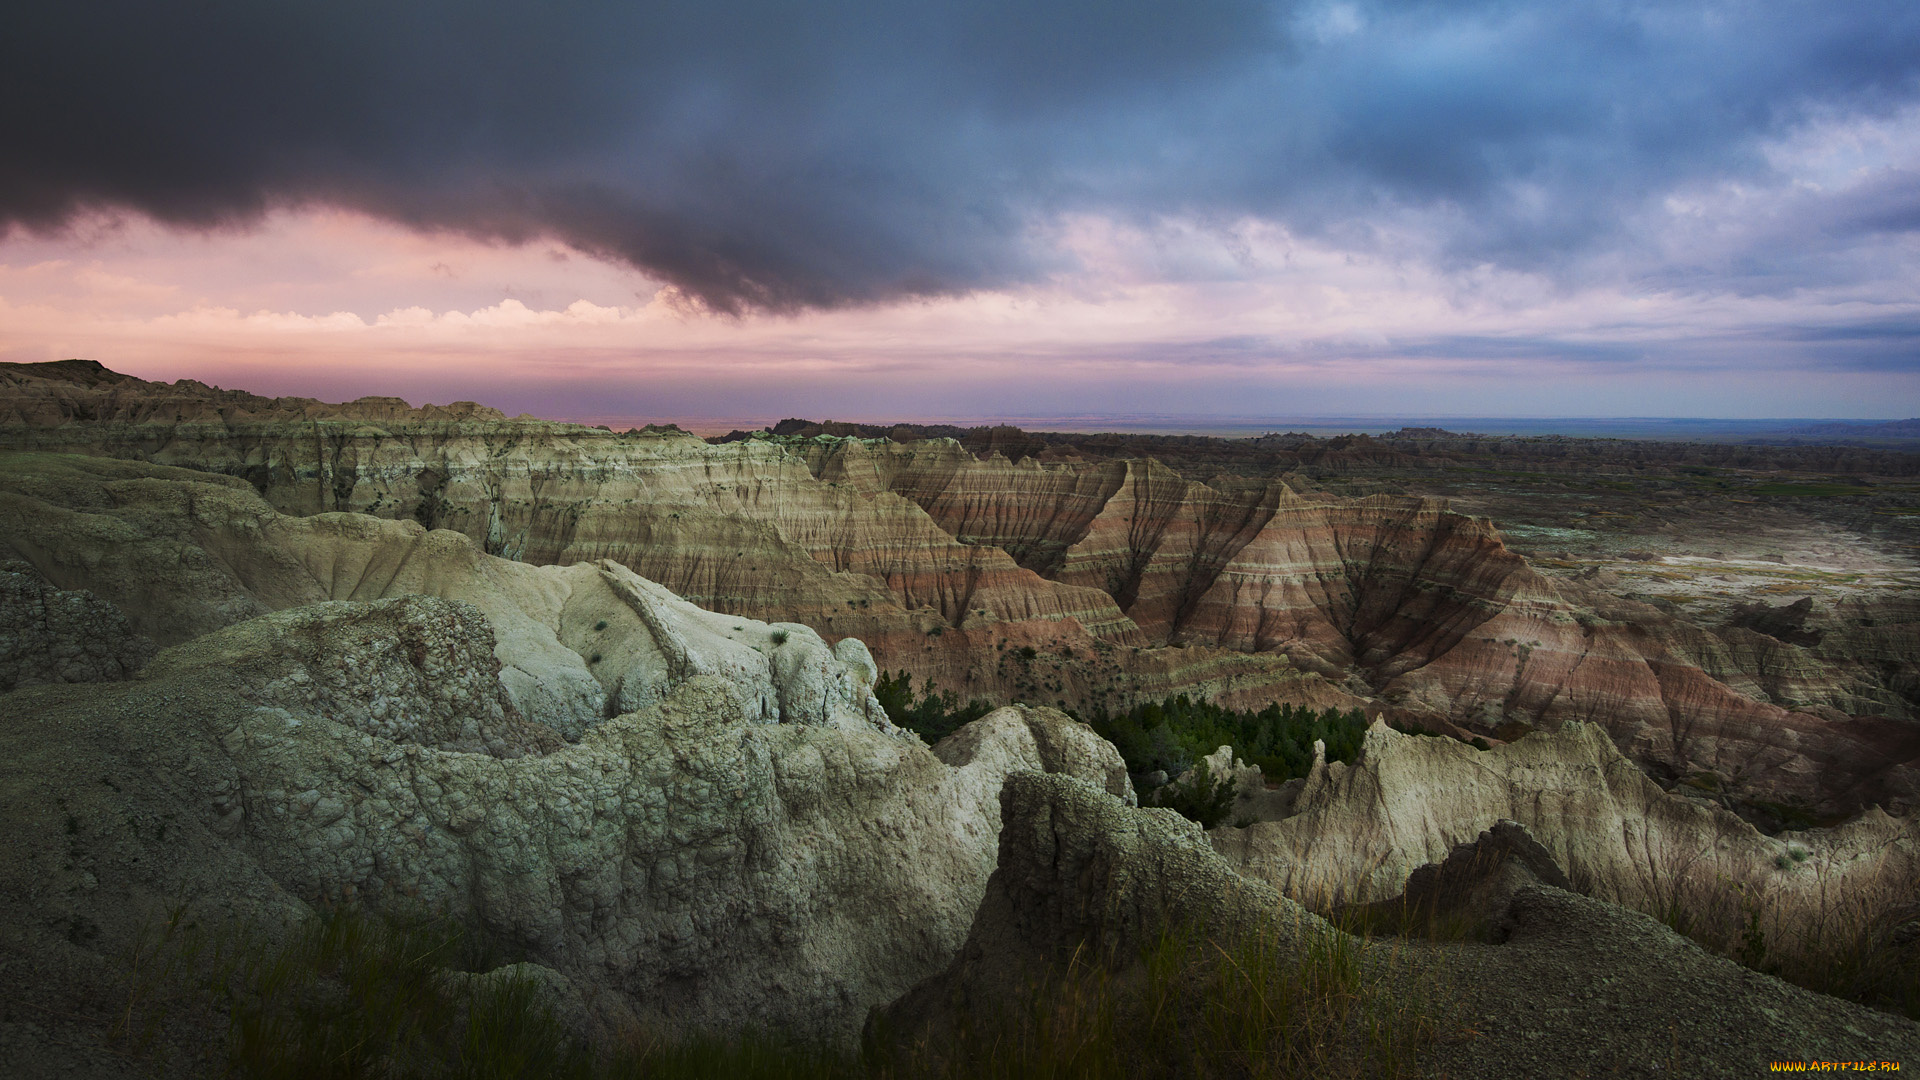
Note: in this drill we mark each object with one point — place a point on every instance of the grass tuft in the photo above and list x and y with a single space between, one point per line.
351 996
1281 1002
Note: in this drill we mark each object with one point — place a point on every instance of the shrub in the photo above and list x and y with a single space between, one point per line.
934 717
779 637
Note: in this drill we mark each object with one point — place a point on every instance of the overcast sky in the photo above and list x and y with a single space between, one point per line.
979 208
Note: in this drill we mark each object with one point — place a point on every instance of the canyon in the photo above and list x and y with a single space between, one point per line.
1103 581
608 696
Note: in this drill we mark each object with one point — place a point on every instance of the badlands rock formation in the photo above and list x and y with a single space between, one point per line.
1430 610
692 818
1089 582
1469 893
687 865
1080 876
186 553
743 529
66 391
50 635
1354 833
414 659
1578 986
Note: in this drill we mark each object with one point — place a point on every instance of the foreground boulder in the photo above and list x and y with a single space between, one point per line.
1470 894
690 866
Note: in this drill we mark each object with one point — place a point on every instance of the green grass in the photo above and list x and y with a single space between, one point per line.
352 996
1312 1002
344 996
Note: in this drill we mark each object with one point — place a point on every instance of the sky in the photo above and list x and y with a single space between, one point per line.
977 208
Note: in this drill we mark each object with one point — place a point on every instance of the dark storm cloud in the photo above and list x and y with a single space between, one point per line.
765 154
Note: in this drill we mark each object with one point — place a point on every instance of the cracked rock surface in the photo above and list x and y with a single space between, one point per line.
51 635
685 865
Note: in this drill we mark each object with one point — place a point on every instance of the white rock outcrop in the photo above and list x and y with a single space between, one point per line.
688 865
1353 833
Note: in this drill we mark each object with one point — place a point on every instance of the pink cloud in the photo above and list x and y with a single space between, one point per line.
1243 319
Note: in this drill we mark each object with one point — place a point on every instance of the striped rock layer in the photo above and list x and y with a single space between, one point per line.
1084 583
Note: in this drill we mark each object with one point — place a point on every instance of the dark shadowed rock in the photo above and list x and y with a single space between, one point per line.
1469 892
1082 873
1786 623
1580 987
51 635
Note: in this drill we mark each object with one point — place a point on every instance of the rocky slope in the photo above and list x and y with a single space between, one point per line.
1433 615
687 865
1353 833
690 817
1091 582
1577 987
50 635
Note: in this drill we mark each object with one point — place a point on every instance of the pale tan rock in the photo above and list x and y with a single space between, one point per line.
186 553
1059 742
1063 582
1355 832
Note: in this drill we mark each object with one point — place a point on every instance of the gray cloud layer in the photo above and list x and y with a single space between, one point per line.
763 154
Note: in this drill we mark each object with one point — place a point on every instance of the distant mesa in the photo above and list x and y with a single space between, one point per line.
58 392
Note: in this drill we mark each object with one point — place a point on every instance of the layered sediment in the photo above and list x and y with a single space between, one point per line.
413 658
1090 582
1354 833
686 817
1436 618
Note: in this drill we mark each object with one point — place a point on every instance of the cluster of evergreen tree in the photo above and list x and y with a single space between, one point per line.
1169 735
935 716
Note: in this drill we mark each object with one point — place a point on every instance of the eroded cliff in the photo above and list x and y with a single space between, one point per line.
1089 582
691 817
1428 613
